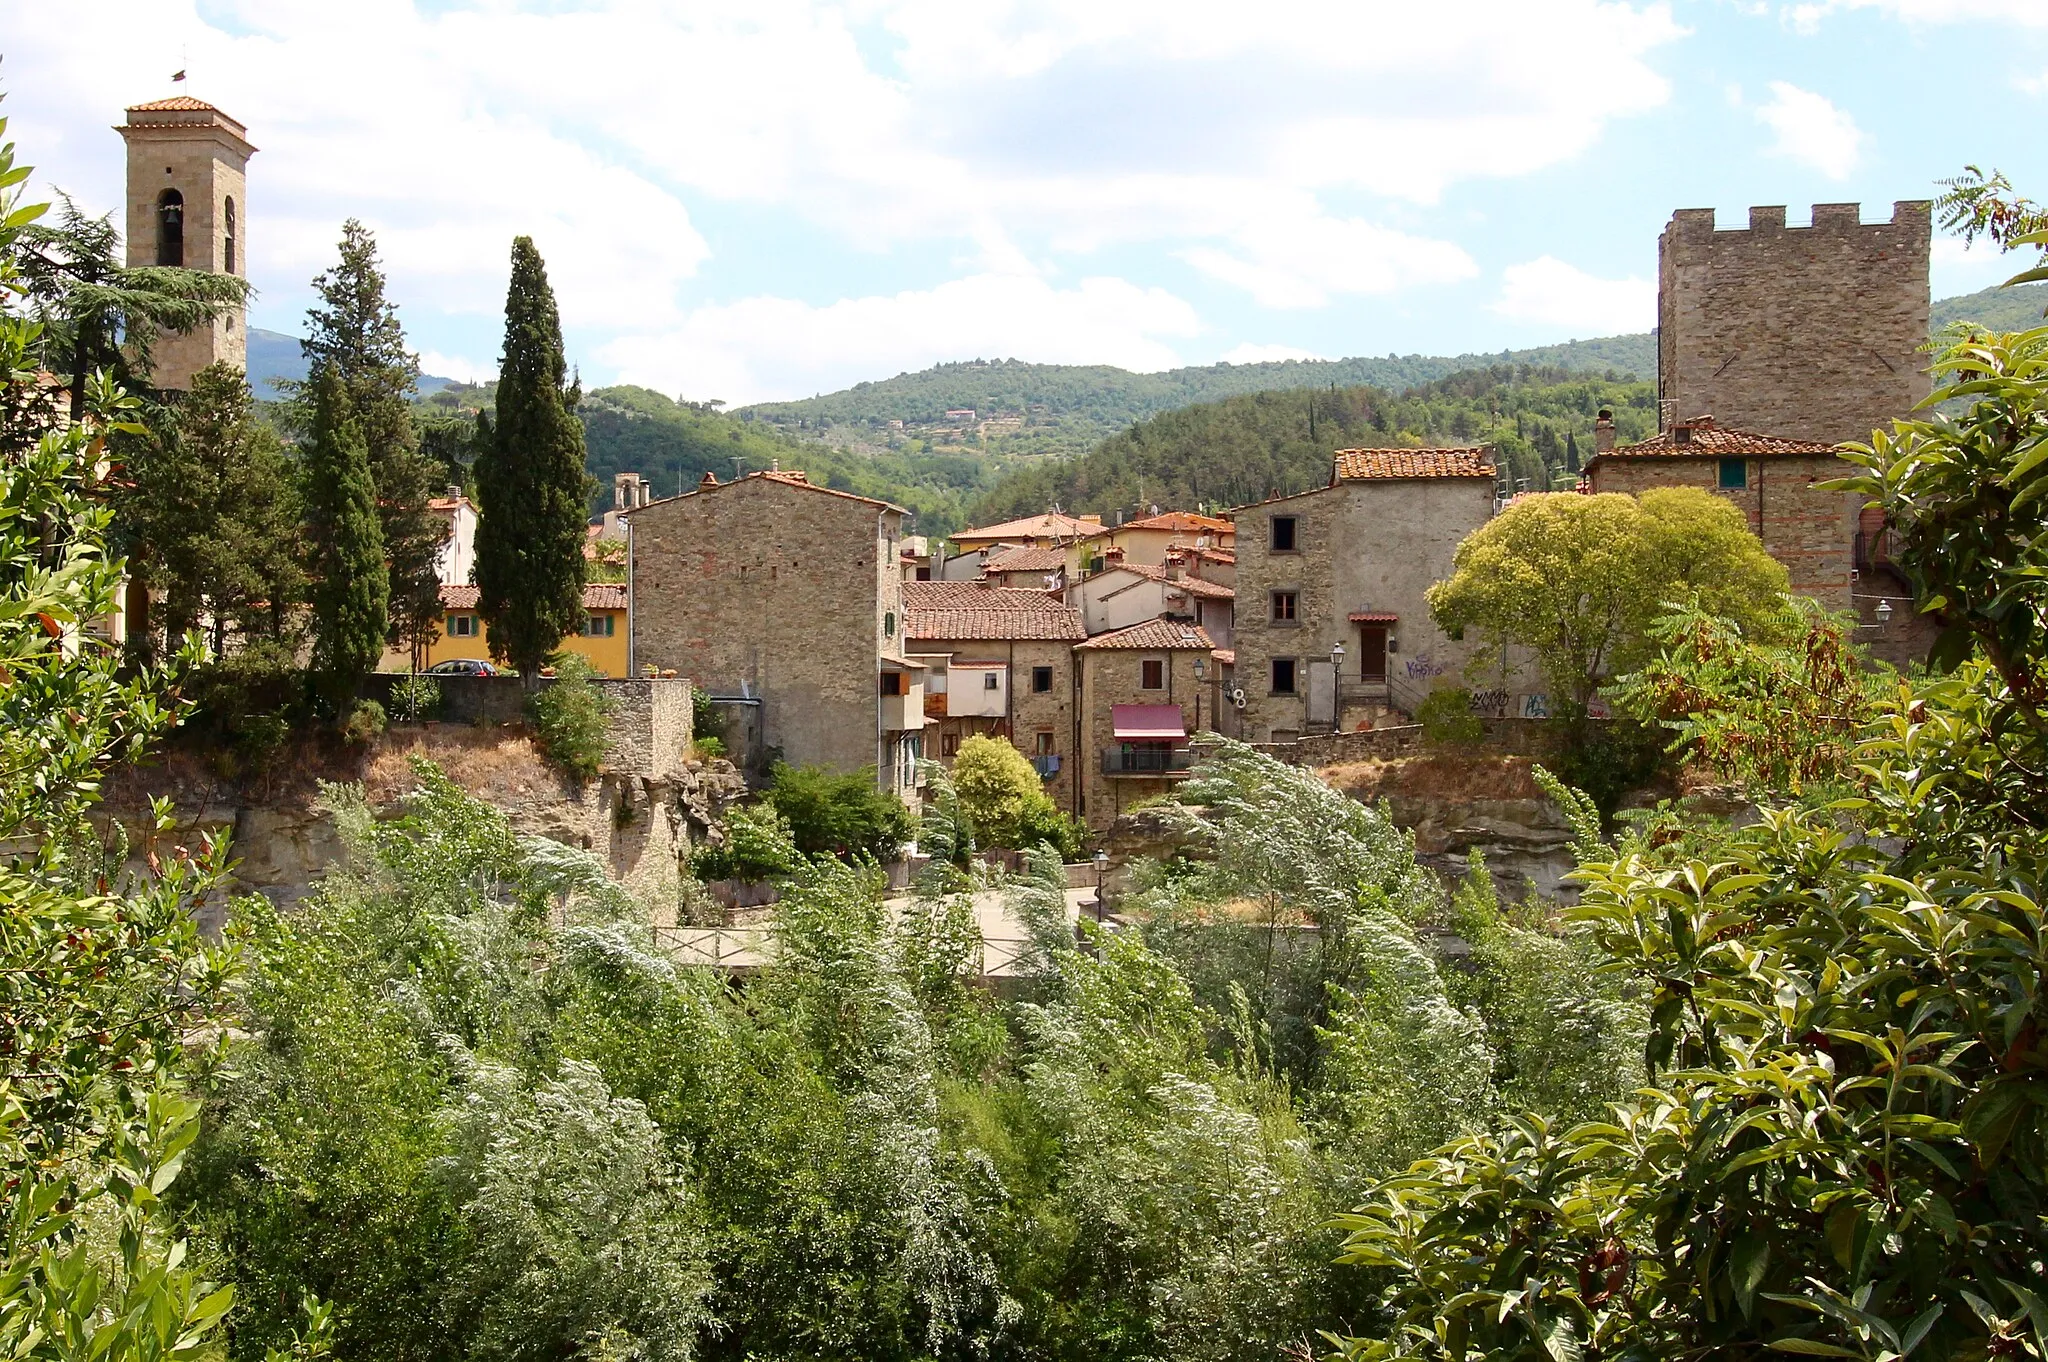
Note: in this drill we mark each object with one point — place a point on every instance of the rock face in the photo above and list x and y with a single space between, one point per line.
641 826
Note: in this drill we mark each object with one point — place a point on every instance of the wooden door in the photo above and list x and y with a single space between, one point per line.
1372 652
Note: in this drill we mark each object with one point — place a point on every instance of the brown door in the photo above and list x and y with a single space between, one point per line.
1372 652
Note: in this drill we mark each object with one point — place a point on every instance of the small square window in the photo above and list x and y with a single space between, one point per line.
1734 473
1041 680
462 626
1283 676
989 681
1284 538
1286 607
1152 674
892 683
1041 743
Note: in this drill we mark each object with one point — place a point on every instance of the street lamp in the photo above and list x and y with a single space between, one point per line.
1337 657
1883 613
1101 870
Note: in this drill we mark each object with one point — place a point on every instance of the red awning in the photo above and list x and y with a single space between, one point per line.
1147 721
1375 617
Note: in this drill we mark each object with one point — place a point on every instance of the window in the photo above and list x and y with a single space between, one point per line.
892 683
889 624
228 246
1283 538
1041 743
1734 473
598 626
1041 680
949 744
1283 676
990 681
1152 674
170 228
1286 607
462 626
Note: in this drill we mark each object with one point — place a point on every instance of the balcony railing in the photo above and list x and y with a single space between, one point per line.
1146 761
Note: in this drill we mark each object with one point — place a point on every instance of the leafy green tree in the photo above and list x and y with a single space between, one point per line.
839 813
758 846
531 487
1577 580
103 977
101 315
214 509
355 332
570 715
350 587
1005 800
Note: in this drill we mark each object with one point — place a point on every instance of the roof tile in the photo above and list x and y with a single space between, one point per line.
1701 438
975 610
1353 465
1153 635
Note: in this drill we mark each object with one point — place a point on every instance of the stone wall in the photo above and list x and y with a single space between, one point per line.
788 593
1811 333
1111 677
1810 531
1030 712
648 735
1503 737
189 151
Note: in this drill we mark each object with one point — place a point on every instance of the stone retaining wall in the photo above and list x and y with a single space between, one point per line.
1506 737
650 731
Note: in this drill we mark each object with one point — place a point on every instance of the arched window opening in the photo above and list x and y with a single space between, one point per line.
170 228
229 253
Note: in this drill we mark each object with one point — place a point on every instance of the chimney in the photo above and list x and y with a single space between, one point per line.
454 491
1603 433
710 479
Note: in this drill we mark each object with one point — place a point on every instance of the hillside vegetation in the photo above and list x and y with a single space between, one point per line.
2000 309
1246 448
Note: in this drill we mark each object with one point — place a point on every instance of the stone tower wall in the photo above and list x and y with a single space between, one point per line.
194 153
1809 333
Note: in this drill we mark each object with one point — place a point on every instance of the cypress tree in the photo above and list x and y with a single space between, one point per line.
532 491
355 333
351 588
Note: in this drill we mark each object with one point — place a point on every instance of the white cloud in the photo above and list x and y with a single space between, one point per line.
1549 291
1248 353
1300 261
455 367
1806 15
1811 130
759 349
1954 268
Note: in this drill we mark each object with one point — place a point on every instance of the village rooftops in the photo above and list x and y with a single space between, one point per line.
1153 636
596 596
1361 465
1179 522
787 478
1194 586
1051 525
1701 438
945 611
1026 558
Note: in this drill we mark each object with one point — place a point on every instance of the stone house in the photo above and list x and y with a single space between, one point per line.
787 595
1127 593
1143 690
1775 480
999 662
1029 566
1334 628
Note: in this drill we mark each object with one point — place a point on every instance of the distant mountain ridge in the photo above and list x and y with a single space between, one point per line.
273 355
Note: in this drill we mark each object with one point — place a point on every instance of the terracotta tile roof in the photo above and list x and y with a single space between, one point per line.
1701 438
1359 464
1180 522
789 478
1194 586
1374 617
1153 636
975 610
1026 558
1217 555
1227 656
1053 524
177 103
596 596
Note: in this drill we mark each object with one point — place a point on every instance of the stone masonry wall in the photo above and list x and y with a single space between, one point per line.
778 591
1805 332
1810 531
1111 677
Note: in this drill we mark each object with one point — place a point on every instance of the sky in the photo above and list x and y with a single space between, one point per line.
745 200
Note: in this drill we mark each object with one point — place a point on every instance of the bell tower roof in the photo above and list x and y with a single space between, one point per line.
184 115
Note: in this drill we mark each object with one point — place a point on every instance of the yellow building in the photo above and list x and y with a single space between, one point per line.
602 638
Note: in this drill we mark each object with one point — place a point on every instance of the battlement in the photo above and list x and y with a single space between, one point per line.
1692 224
1808 333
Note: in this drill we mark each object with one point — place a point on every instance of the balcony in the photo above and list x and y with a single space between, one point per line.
1133 760
904 713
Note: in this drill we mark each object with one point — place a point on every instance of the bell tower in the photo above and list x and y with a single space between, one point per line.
188 205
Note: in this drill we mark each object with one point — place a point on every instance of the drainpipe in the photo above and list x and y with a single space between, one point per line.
632 653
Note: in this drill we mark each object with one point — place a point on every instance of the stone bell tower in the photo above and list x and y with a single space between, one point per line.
188 205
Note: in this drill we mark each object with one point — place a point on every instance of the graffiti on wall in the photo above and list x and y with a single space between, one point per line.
1423 666
1491 703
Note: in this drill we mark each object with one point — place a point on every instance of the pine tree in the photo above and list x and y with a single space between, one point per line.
1571 452
532 490
355 332
351 584
213 508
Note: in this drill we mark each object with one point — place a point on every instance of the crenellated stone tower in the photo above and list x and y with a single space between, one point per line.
1807 333
188 205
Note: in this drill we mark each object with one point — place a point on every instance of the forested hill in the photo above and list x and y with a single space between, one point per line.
1245 448
1067 408
1999 309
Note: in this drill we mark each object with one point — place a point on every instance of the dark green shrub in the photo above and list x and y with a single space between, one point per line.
415 698
365 722
840 813
1446 716
757 846
1608 758
244 706
570 716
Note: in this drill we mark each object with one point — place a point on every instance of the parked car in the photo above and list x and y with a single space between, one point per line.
469 666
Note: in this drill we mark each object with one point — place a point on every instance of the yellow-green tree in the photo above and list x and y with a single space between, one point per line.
1005 801
1578 580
